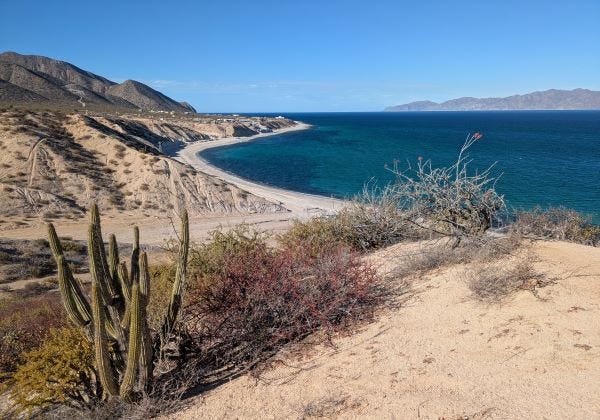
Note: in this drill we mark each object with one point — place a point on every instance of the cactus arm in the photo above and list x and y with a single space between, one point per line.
135 256
76 305
98 265
113 262
54 242
105 370
125 321
135 344
125 283
146 362
180 277
144 278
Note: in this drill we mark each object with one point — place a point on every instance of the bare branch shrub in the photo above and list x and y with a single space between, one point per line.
450 201
556 223
493 283
374 220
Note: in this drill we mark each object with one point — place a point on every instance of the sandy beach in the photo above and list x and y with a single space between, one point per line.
156 229
300 204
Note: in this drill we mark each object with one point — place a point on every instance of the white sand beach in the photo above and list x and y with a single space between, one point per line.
300 204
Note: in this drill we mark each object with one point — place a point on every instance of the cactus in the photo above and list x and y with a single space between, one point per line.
178 285
115 318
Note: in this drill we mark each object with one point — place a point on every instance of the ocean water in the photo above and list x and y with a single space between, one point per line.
545 158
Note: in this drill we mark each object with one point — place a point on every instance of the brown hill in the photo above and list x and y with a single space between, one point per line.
53 165
33 78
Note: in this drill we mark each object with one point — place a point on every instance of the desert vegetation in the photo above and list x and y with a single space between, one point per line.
145 335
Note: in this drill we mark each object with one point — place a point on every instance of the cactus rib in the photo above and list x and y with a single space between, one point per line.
135 344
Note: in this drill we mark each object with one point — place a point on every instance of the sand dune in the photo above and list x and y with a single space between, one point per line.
443 354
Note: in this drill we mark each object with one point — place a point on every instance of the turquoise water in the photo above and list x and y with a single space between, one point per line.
545 158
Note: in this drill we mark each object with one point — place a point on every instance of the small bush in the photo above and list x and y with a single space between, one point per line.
211 258
161 278
370 222
61 371
556 223
493 283
257 300
317 235
24 324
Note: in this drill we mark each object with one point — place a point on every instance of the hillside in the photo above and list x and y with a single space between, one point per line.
552 99
33 78
53 165
442 354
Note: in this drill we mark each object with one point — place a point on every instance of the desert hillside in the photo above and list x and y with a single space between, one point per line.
54 164
441 353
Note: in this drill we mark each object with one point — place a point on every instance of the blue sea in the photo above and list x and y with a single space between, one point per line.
545 158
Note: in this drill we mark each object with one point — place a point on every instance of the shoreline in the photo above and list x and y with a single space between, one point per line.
300 204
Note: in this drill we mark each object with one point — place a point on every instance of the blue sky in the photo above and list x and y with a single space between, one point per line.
308 55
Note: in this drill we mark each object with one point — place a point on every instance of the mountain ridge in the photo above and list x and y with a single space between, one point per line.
34 78
551 99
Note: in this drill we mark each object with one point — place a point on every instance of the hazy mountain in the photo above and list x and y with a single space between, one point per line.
33 78
548 99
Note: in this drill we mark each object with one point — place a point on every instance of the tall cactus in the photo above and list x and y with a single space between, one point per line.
180 277
115 318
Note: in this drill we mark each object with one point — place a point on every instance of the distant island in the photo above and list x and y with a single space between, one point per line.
552 99
30 79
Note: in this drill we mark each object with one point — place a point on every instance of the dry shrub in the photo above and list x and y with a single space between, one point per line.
436 254
317 235
259 299
493 283
328 407
60 371
210 257
369 222
556 223
374 222
452 201
24 324
161 279
24 259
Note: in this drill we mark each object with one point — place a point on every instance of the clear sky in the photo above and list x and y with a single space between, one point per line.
309 55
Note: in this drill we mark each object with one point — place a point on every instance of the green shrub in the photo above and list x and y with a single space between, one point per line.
209 258
317 235
60 371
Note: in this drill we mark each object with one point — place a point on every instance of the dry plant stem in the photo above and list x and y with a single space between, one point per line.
449 201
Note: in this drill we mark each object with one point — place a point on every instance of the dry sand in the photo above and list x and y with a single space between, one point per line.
443 354
156 229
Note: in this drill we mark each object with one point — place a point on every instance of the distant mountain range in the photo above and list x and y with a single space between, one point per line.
33 78
552 99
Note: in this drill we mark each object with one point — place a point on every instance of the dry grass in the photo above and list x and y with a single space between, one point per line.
495 282
328 407
438 253
559 223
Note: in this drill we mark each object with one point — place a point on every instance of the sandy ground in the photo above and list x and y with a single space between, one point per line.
300 204
443 354
155 230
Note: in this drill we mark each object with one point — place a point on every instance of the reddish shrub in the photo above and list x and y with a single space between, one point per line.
24 324
263 299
